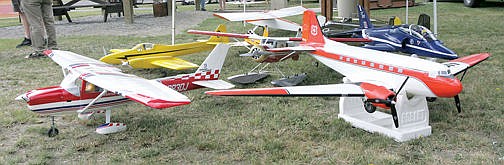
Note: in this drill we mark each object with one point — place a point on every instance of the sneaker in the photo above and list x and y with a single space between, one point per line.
35 55
203 9
25 42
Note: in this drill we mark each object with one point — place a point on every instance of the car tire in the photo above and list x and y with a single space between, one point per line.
472 3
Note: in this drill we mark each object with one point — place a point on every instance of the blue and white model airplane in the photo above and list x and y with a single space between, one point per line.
411 39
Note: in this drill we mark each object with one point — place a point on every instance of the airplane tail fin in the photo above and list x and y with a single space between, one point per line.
215 60
312 33
216 39
209 71
364 20
265 31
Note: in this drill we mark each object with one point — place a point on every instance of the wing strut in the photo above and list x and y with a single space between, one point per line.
92 102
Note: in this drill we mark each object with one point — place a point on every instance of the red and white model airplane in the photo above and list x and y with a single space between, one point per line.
374 78
91 85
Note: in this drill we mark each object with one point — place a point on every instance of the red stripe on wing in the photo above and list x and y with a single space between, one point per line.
218 34
249 92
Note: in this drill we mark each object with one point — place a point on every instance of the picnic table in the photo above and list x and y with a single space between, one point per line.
109 6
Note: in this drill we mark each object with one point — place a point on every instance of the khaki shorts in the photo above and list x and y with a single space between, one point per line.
16 5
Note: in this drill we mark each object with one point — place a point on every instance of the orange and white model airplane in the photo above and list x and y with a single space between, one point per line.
90 86
374 79
148 55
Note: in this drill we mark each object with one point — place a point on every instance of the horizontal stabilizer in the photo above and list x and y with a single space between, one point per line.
458 65
340 90
351 39
214 84
174 63
381 47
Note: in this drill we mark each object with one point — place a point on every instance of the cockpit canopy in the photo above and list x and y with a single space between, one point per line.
419 31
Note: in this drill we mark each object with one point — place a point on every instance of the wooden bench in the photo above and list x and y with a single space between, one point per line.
63 10
113 7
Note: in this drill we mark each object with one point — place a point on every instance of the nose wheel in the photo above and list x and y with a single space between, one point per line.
53 131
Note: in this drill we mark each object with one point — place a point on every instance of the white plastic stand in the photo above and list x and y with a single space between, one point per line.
413 116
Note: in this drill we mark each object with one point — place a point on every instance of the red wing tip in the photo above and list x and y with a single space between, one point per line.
215 93
47 52
165 104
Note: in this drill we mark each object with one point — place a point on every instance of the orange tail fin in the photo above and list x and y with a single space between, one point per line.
312 33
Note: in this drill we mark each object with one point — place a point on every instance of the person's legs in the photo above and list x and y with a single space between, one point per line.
26 26
16 6
222 4
48 18
33 13
202 5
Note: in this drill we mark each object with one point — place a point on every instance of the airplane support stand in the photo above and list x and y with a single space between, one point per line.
413 115
109 127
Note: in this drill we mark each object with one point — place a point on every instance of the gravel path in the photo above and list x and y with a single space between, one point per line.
144 25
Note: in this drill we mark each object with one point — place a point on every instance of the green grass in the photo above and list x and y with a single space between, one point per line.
263 130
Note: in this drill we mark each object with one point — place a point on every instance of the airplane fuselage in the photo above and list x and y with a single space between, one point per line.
140 56
398 39
427 78
55 99
181 83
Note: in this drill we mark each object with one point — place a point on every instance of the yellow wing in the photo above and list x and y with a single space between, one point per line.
175 64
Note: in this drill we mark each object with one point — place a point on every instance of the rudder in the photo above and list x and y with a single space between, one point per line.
215 59
220 28
312 33
364 20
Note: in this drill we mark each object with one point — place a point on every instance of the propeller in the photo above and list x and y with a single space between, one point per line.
457 103
393 110
457 99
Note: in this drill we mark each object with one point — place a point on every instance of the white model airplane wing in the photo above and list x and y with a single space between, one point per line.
340 90
214 84
147 92
268 18
276 24
236 35
273 14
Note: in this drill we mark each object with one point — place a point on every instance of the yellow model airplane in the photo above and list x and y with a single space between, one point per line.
148 55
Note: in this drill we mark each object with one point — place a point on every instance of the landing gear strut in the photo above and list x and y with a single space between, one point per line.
53 131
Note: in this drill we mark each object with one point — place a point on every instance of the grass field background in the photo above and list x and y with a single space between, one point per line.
259 130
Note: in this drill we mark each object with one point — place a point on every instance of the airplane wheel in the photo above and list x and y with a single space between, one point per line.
431 99
52 132
370 108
